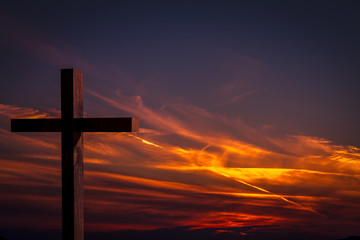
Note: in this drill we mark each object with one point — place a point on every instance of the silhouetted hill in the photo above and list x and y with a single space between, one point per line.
351 238
177 233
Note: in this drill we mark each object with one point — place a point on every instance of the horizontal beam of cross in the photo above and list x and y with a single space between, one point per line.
79 125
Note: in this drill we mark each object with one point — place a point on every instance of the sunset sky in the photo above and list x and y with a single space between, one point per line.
249 118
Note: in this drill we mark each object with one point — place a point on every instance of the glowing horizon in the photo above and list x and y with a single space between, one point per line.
111 162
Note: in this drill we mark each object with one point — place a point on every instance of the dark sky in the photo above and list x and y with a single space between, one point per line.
229 88
296 60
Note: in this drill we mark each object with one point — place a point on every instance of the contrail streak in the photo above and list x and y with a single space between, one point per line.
215 170
266 191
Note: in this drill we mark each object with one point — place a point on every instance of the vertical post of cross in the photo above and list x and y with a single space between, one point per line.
72 155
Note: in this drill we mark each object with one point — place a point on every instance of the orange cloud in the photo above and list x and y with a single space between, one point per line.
201 173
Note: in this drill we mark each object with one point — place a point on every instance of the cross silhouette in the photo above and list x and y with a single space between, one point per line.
71 125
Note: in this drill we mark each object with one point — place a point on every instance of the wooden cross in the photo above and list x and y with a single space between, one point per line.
71 125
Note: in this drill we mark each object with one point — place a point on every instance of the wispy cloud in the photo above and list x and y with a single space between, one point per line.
190 167
187 166
17 112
